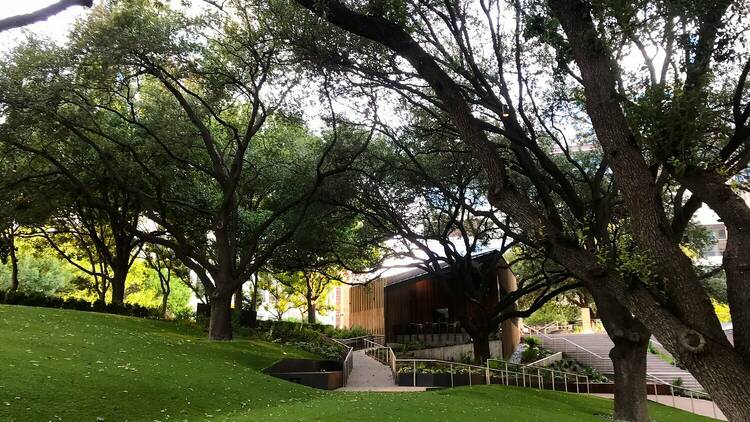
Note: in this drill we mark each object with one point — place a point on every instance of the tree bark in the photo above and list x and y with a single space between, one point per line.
311 317
164 303
481 344
254 303
511 328
117 284
238 299
220 327
13 264
629 354
629 359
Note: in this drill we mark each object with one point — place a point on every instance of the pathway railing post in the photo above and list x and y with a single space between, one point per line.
539 377
588 385
414 374
692 404
487 373
523 375
671 388
451 375
552 373
713 407
565 375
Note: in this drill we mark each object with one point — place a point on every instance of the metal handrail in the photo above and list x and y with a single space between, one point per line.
575 345
564 377
657 381
555 357
384 353
348 362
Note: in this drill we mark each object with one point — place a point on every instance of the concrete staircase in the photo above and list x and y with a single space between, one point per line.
593 350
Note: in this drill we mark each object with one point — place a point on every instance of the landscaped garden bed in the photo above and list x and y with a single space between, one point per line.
438 374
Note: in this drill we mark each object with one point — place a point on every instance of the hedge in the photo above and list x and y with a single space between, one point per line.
16 297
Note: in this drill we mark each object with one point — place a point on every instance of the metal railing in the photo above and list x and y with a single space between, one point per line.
546 361
347 363
506 375
590 358
679 391
543 374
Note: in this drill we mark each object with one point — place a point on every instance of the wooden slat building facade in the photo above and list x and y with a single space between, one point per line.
366 304
392 306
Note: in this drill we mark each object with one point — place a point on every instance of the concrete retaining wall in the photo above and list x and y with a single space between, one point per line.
454 353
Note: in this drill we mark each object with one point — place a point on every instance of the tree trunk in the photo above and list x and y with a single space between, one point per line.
102 294
220 327
254 304
118 286
629 359
164 301
481 344
511 328
238 299
14 264
311 318
628 355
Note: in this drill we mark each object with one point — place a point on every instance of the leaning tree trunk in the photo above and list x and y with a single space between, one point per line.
220 326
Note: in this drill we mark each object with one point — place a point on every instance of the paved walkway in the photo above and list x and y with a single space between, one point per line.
371 375
702 407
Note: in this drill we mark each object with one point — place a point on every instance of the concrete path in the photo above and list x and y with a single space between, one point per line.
698 406
371 375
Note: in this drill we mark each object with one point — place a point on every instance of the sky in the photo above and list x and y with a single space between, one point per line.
55 27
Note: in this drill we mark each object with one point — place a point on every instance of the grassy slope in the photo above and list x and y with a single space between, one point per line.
74 366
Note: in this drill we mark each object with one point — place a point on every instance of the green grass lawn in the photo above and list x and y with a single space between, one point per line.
59 365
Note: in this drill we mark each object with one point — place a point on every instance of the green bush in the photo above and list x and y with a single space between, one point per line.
308 337
532 341
18 297
570 365
353 332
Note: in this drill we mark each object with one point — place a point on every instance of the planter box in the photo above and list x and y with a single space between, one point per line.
442 379
405 380
323 374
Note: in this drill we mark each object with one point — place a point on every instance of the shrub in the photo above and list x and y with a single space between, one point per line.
353 332
308 337
77 304
532 341
38 299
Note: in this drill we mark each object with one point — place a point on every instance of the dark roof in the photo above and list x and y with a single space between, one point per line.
419 273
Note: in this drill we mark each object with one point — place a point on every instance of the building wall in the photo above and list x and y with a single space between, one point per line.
412 302
339 301
366 306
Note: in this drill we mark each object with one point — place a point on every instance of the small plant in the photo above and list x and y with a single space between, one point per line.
678 382
466 357
532 341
